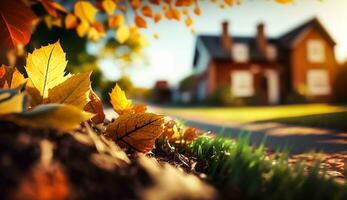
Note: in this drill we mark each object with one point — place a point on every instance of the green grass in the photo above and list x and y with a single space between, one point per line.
336 120
240 172
251 114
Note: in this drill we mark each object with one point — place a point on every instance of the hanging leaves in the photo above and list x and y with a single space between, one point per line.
137 131
15 23
122 34
85 11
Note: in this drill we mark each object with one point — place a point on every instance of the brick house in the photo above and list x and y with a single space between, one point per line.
300 61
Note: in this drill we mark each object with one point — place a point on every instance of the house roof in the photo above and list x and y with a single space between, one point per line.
213 43
215 49
289 38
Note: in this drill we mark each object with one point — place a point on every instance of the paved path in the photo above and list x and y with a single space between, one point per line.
299 139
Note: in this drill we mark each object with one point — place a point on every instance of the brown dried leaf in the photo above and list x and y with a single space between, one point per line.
95 106
137 131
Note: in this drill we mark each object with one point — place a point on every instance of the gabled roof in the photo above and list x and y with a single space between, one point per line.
215 49
289 39
213 43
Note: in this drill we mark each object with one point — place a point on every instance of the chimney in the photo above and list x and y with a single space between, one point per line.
227 42
261 38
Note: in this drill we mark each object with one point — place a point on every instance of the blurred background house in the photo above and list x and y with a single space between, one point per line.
297 67
162 93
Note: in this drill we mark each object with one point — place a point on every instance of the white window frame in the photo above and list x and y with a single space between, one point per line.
242 83
240 52
316 51
318 82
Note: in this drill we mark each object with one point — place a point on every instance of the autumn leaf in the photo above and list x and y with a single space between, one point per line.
171 131
57 116
119 101
147 11
85 11
10 77
284 1
43 183
73 91
109 6
122 34
70 21
52 7
46 68
157 17
15 23
140 22
82 28
115 21
11 101
137 131
95 106
190 134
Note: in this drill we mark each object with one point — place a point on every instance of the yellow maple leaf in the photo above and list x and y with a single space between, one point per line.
46 68
120 103
85 11
73 91
137 131
122 33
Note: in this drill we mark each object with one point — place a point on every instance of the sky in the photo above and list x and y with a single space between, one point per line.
170 57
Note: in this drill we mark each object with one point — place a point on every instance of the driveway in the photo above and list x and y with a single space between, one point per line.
298 139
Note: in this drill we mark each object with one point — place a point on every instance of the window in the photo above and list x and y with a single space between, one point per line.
271 52
318 82
242 84
315 51
240 52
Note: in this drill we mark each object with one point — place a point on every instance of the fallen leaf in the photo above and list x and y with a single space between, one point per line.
190 134
95 106
120 103
62 117
139 108
73 91
46 67
15 23
11 101
10 77
43 183
137 131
